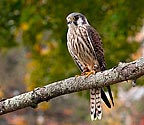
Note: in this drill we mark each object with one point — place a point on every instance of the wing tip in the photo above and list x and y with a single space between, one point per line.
110 94
105 99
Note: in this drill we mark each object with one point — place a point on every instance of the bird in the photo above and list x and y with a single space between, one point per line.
85 46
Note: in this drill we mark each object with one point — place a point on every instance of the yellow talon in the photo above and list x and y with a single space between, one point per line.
86 73
77 75
89 73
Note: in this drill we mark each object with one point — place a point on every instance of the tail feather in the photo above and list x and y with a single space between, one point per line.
92 104
95 103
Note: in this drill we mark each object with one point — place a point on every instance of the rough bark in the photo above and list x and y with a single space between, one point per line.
122 72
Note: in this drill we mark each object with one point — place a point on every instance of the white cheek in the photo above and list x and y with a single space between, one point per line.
72 25
79 21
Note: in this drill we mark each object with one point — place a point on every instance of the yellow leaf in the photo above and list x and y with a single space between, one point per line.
44 106
24 26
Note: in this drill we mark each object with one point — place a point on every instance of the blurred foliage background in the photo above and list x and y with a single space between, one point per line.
33 33
39 27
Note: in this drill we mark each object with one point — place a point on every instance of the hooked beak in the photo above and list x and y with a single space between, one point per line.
69 22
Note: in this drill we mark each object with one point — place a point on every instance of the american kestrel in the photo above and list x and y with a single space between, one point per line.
85 47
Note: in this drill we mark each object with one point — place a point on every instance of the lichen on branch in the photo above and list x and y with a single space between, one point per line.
122 72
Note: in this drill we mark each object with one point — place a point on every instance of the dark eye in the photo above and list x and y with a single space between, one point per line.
76 18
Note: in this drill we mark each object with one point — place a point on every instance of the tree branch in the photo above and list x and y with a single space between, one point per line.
122 72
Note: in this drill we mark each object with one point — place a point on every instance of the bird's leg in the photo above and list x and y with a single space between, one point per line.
84 71
93 71
87 72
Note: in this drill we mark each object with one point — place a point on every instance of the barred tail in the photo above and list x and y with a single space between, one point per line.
95 104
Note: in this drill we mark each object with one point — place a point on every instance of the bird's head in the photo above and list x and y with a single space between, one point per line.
76 19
